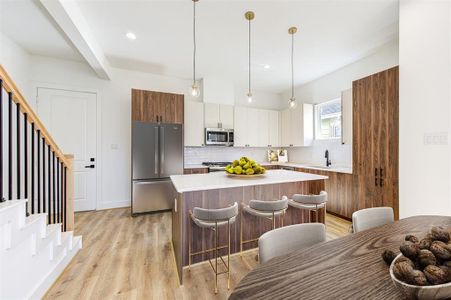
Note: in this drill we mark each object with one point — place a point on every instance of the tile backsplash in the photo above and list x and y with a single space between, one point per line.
340 155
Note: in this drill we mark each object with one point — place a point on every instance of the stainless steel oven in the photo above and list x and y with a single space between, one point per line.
218 137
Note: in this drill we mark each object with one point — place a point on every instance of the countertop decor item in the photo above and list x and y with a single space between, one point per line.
245 167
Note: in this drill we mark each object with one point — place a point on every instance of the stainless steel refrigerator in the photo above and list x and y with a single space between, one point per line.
157 153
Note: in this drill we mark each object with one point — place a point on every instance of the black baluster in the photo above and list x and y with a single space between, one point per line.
38 171
58 185
10 146
43 177
2 198
53 187
25 159
49 181
32 168
18 149
64 199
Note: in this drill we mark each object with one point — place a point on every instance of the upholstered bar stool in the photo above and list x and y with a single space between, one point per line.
213 219
309 202
263 209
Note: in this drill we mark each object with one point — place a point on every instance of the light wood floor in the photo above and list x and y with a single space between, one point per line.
131 258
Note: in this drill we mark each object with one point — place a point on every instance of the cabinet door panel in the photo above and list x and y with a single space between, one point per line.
226 116
285 128
273 128
240 124
194 123
296 121
212 118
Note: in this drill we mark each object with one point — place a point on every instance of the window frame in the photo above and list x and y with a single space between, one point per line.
316 119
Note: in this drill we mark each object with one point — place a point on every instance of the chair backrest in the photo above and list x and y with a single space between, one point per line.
287 239
311 199
371 217
271 206
216 214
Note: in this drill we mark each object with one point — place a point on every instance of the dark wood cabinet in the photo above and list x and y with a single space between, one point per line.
148 106
376 139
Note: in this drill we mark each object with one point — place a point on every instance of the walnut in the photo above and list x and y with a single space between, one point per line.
410 250
425 243
440 234
426 258
441 250
403 270
435 275
416 277
388 256
411 238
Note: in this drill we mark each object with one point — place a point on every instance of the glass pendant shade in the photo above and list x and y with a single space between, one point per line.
195 90
249 97
292 103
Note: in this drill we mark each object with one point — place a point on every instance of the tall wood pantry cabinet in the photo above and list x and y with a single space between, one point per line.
153 107
375 140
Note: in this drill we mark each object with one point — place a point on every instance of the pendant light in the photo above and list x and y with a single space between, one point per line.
195 89
249 16
292 102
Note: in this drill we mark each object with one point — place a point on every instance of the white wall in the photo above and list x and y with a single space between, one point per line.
425 106
16 62
329 87
260 99
115 114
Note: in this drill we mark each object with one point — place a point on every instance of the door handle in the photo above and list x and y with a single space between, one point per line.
156 151
90 167
162 151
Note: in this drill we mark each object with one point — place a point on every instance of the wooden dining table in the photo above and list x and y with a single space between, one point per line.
350 267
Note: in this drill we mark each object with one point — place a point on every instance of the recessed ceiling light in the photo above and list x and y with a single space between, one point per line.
131 36
266 66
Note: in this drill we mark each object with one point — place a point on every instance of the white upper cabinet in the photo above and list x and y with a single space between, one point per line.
297 126
346 117
218 115
256 127
274 128
194 124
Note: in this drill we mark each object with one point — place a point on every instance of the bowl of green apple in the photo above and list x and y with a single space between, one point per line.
245 168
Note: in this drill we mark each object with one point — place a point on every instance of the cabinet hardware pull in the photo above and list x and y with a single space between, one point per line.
375 182
381 181
380 172
375 171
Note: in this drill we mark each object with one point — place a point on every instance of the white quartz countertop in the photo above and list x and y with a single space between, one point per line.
337 169
220 180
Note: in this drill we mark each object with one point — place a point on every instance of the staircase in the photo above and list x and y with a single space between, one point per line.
32 254
36 241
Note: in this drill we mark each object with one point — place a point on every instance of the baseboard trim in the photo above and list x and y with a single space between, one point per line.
109 205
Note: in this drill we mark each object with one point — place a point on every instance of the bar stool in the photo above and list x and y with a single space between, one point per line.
263 209
309 202
213 219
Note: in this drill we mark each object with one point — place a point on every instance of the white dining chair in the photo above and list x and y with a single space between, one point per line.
371 217
287 239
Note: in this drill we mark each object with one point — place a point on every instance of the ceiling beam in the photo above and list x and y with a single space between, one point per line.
70 19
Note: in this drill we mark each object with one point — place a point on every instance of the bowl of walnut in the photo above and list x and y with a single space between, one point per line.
423 268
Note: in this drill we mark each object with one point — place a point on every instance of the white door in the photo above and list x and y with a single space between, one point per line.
70 117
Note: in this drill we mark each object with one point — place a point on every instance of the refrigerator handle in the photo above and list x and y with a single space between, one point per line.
156 150
162 151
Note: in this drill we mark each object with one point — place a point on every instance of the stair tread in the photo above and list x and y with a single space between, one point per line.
11 203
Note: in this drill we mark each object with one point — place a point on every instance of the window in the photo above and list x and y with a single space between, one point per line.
328 120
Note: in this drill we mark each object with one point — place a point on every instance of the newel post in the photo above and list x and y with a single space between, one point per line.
69 193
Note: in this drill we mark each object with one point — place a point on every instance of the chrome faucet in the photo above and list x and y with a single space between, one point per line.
326 155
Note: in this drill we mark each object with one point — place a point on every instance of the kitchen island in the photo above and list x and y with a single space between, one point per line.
217 190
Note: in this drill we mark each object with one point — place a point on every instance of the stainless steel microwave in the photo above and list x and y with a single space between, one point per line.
218 137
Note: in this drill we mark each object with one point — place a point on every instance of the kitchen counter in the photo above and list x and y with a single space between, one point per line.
220 180
337 169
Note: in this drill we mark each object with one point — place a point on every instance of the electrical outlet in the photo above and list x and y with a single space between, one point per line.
436 138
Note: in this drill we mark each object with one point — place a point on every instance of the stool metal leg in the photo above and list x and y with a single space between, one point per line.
241 232
216 257
228 256
273 221
189 242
